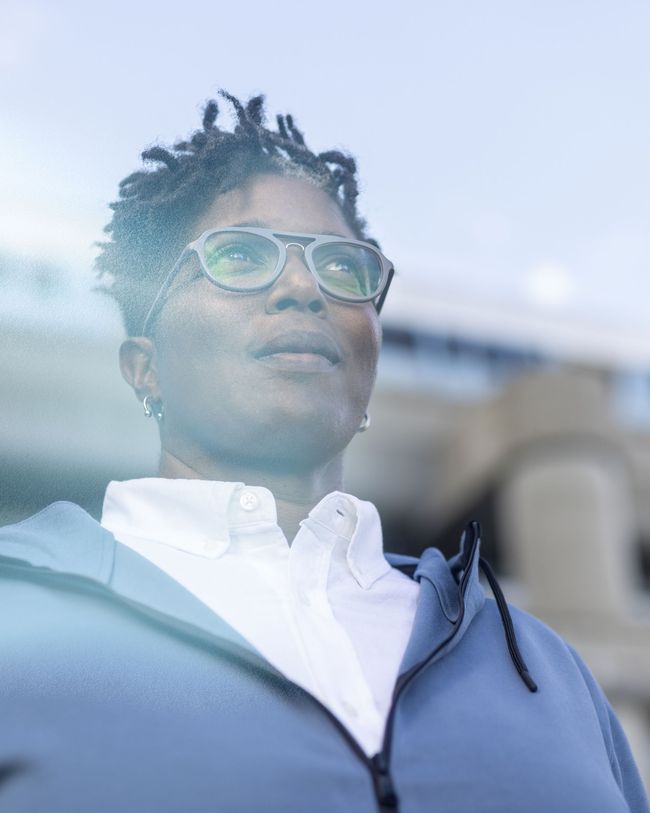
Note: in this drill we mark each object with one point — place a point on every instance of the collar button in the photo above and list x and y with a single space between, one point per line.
248 501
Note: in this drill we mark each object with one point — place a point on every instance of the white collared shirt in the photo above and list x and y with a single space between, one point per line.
328 611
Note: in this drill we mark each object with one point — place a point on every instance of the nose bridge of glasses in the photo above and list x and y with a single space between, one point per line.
297 269
290 243
300 255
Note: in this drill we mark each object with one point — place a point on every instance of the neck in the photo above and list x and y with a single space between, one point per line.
295 492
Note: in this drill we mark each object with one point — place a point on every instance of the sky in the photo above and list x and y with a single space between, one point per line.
503 147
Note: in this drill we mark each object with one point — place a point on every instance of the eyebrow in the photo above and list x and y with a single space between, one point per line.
261 224
250 224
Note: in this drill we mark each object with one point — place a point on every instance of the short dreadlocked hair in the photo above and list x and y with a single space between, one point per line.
158 206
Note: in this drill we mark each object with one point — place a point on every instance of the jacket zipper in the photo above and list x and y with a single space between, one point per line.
384 787
379 764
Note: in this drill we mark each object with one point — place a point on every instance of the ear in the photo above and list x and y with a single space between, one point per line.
138 366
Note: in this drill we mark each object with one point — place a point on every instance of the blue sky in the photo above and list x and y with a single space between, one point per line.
504 147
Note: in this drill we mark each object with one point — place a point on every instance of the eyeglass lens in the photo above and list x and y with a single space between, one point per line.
247 261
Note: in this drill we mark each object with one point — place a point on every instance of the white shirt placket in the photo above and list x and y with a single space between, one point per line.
332 657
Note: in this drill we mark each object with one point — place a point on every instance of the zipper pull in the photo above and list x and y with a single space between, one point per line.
384 787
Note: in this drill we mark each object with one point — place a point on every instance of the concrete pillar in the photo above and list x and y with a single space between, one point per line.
566 520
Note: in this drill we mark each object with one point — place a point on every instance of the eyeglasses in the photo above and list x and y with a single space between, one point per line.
250 259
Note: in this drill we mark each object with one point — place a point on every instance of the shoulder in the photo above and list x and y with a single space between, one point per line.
541 646
62 538
57 514
571 688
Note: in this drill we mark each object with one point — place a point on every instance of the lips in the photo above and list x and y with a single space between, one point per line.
299 343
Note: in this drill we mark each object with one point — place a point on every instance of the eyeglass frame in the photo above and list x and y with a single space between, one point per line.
315 241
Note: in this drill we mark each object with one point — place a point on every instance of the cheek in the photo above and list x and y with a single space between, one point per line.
202 321
368 337
196 341
365 344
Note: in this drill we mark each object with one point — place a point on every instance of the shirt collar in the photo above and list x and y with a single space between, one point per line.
198 516
357 525
195 516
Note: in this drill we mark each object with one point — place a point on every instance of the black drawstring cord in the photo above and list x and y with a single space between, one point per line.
508 628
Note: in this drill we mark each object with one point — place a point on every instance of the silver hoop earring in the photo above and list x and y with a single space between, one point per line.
365 423
153 408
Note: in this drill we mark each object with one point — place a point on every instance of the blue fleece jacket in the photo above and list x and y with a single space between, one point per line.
119 691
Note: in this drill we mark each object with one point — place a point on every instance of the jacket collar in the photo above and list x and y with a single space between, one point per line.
444 611
65 542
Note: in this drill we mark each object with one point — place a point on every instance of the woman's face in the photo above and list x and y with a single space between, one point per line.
235 385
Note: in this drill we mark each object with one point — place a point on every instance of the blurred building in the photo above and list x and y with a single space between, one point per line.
543 438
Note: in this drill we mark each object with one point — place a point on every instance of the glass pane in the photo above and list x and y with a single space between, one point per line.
348 269
240 260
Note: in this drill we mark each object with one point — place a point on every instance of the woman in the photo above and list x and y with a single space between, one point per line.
231 636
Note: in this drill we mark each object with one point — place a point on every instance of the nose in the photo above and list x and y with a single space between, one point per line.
296 287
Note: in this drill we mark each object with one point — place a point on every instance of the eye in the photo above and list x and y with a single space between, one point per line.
240 260
236 253
343 267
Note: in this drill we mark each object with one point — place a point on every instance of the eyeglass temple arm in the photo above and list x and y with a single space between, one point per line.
379 304
159 299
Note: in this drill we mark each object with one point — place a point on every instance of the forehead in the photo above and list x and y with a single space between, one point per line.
277 202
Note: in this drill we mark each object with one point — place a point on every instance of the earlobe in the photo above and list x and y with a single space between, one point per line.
138 366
